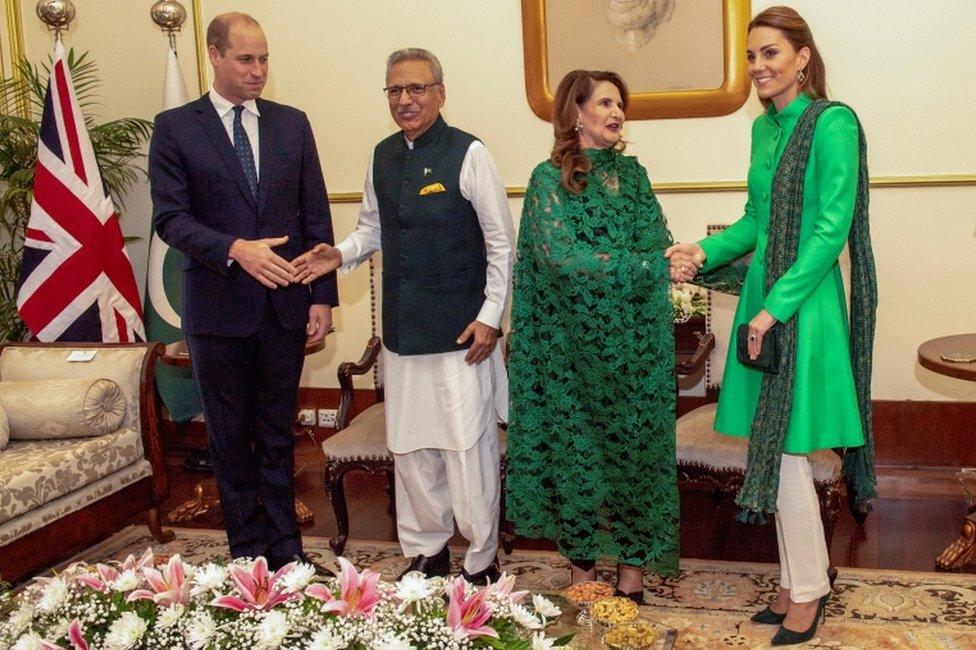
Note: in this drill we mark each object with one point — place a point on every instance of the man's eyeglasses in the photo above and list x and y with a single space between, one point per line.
414 90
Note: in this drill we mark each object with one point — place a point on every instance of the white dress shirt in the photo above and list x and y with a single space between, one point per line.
249 117
437 400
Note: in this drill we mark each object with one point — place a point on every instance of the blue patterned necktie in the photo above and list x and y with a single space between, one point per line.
243 148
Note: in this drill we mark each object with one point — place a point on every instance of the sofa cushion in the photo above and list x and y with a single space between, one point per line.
4 428
35 472
62 408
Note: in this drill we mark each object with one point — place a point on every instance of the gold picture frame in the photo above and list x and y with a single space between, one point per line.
694 102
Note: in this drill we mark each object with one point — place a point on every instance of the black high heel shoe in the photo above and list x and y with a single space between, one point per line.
636 596
768 617
786 636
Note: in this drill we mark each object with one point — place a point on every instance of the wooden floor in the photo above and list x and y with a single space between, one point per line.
918 513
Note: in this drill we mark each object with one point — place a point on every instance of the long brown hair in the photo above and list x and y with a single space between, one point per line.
573 91
797 32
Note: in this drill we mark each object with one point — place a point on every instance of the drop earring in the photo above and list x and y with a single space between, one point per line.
801 76
579 125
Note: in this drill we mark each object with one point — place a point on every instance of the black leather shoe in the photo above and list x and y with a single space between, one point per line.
438 565
636 596
304 559
483 577
769 617
786 636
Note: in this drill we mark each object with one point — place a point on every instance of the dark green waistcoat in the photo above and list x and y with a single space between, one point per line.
434 260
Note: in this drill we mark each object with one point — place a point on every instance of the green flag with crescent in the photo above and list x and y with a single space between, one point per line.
164 289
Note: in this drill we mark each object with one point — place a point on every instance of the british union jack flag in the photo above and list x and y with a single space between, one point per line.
77 282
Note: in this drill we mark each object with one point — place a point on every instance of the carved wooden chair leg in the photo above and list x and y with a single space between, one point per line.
337 496
155 524
391 492
860 516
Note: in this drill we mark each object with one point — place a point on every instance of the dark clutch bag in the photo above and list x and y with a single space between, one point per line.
768 359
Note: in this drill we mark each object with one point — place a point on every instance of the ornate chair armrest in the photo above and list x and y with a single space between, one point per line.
347 370
706 343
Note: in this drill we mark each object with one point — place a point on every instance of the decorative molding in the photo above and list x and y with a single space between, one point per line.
15 36
701 187
200 38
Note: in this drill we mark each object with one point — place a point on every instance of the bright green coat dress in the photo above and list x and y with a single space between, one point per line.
824 412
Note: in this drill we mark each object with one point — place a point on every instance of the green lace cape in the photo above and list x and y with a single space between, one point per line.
591 461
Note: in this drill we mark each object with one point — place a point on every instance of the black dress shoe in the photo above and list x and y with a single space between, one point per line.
786 636
438 565
483 577
636 596
304 559
768 617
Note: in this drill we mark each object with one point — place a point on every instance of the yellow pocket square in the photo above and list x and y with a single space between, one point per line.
433 188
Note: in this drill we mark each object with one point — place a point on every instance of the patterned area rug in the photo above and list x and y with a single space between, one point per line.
709 602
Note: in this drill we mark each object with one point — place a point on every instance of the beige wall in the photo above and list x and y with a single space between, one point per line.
904 72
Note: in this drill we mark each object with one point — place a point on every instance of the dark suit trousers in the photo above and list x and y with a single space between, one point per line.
249 389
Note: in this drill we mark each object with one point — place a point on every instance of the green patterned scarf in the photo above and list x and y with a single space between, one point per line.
772 419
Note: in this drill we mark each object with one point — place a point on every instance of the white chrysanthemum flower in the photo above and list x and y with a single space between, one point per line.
391 642
326 639
53 595
21 619
127 581
524 617
170 616
208 578
297 579
30 641
126 632
540 642
59 629
272 631
413 587
200 630
545 607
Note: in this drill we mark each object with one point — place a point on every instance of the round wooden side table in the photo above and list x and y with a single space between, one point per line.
936 355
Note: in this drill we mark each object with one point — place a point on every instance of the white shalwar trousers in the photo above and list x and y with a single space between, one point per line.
436 487
803 557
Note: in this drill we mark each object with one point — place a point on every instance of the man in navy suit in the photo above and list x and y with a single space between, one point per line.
238 189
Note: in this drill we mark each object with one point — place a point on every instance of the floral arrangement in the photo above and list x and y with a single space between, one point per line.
173 604
689 301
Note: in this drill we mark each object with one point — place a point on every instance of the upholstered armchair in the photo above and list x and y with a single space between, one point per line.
359 444
80 451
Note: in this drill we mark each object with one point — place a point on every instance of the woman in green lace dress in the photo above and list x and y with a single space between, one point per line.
591 436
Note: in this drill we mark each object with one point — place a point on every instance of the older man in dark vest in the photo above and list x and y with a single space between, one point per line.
436 206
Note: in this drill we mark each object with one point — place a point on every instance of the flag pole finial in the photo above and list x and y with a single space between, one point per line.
56 14
170 16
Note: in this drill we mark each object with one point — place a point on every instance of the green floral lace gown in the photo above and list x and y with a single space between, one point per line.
591 461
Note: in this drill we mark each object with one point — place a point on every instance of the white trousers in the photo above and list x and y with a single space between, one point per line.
435 487
803 557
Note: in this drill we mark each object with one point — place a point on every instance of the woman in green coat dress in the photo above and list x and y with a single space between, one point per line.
806 198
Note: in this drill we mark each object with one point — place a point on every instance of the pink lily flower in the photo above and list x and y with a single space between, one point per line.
104 573
75 636
256 588
467 615
357 592
505 587
165 590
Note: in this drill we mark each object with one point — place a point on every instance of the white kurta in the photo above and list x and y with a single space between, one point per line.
437 401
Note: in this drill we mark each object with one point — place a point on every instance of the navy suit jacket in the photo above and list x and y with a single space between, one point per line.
202 203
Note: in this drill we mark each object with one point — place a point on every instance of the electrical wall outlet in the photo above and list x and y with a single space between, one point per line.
327 417
306 417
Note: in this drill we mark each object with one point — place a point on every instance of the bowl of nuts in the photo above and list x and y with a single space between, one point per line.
638 634
584 593
613 610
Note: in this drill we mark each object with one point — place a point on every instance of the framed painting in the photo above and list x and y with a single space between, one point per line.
680 58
